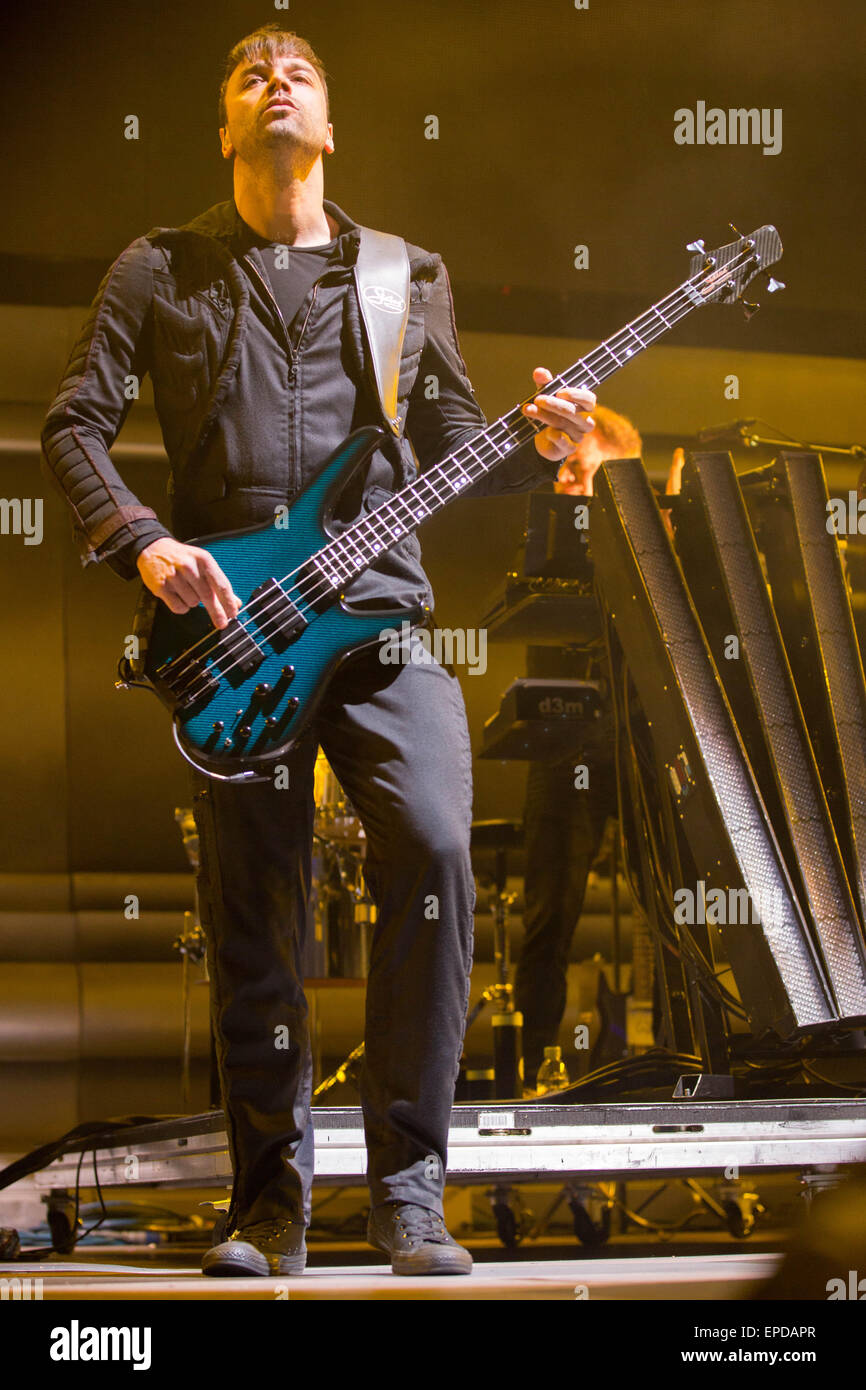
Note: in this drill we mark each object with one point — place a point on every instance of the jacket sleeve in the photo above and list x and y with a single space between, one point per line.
110 524
436 427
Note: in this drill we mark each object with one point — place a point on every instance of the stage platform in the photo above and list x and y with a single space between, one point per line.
513 1143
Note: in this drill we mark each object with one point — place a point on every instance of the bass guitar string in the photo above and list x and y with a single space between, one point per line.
676 306
427 480
234 642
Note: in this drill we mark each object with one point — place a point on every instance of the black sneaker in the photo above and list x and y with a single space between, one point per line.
266 1247
416 1239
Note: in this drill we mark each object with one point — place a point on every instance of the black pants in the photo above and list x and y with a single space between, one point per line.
563 828
397 739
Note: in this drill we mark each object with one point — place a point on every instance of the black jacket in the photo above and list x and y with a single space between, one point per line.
246 416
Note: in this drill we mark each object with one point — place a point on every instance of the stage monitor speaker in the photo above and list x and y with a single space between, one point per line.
780 977
720 559
855 557
556 539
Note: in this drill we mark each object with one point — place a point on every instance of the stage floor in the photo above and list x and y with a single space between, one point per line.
642 1277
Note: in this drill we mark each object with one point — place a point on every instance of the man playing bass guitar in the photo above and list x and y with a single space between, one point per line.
248 322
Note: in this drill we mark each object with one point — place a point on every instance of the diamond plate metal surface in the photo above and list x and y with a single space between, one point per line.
632 527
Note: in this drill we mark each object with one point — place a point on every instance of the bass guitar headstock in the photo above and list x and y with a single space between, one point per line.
720 276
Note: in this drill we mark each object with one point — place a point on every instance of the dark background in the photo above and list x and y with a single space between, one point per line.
556 128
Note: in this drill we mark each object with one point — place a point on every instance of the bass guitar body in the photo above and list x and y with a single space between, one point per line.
241 697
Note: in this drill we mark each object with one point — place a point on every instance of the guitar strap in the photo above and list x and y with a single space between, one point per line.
382 283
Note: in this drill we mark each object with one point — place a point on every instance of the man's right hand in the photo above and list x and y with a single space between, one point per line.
184 576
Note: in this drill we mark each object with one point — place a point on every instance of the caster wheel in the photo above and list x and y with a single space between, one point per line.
740 1224
506 1225
61 1224
588 1232
10 1244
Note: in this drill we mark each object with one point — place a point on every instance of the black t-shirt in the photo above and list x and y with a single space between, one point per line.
291 270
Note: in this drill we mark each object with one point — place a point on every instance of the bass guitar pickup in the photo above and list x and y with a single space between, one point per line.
192 680
277 618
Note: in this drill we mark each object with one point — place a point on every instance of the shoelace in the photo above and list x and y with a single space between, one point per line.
421 1224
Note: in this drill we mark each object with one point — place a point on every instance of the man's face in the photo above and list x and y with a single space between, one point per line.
576 472
274 103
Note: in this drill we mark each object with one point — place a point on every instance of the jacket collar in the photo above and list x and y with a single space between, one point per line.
224 224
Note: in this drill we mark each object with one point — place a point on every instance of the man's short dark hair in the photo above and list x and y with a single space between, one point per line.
270 41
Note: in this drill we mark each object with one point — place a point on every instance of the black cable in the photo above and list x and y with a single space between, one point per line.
828 1081
97 1224
624 1069
688 945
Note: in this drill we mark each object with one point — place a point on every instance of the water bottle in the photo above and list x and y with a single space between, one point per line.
553 1073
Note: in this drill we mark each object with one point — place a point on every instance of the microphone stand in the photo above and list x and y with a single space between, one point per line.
751 439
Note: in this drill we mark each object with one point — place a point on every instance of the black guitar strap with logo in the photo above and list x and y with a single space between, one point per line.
382 282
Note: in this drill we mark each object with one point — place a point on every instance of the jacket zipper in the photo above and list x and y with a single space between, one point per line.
267 289
293 351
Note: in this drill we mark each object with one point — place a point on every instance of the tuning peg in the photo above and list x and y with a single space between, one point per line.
749 309
774 285
696 246
736 231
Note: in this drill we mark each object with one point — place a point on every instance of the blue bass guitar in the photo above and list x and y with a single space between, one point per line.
241 697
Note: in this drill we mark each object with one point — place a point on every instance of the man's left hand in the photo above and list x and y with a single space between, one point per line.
564 416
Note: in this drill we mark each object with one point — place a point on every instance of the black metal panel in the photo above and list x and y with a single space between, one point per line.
781 980
812 604
723 570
